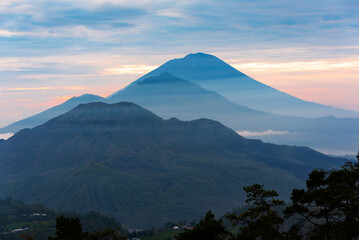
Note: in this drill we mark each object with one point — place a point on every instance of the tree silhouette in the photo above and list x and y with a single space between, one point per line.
68 229
207 229
261 220
105 234
329 206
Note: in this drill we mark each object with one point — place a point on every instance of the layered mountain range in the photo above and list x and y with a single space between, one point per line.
167 148
122 159
169 96
210 88
213 74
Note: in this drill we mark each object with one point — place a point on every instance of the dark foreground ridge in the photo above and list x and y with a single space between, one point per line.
122 159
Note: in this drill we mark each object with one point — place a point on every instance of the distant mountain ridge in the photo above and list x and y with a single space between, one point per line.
213 74
44 116
169 96
188 98
123 160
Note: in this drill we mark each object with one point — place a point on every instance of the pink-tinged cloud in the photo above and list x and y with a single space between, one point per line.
41 88
332 81
326 65
129 69
5 136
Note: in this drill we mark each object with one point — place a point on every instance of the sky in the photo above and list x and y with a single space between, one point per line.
53 50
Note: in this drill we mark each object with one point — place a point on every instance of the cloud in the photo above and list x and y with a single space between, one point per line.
264 133
5 136
7 33
22 89
181 24
325 65
78 12
106 14
129 69
35 34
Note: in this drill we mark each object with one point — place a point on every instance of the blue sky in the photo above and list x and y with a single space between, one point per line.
52 50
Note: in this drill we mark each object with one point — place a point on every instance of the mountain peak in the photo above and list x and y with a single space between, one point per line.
53 112
86 97
200 55
101 106
99 112
105 105
197 66
164 77
201 59
193 68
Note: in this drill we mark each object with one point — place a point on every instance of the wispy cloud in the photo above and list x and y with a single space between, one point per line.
352 64
7 33
129 69
264 133
41 88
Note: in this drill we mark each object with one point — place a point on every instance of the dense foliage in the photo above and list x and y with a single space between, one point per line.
69 228
327 209
261 219
208 228
39 222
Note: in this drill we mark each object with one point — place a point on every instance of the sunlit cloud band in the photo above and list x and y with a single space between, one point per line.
129 69
297 66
